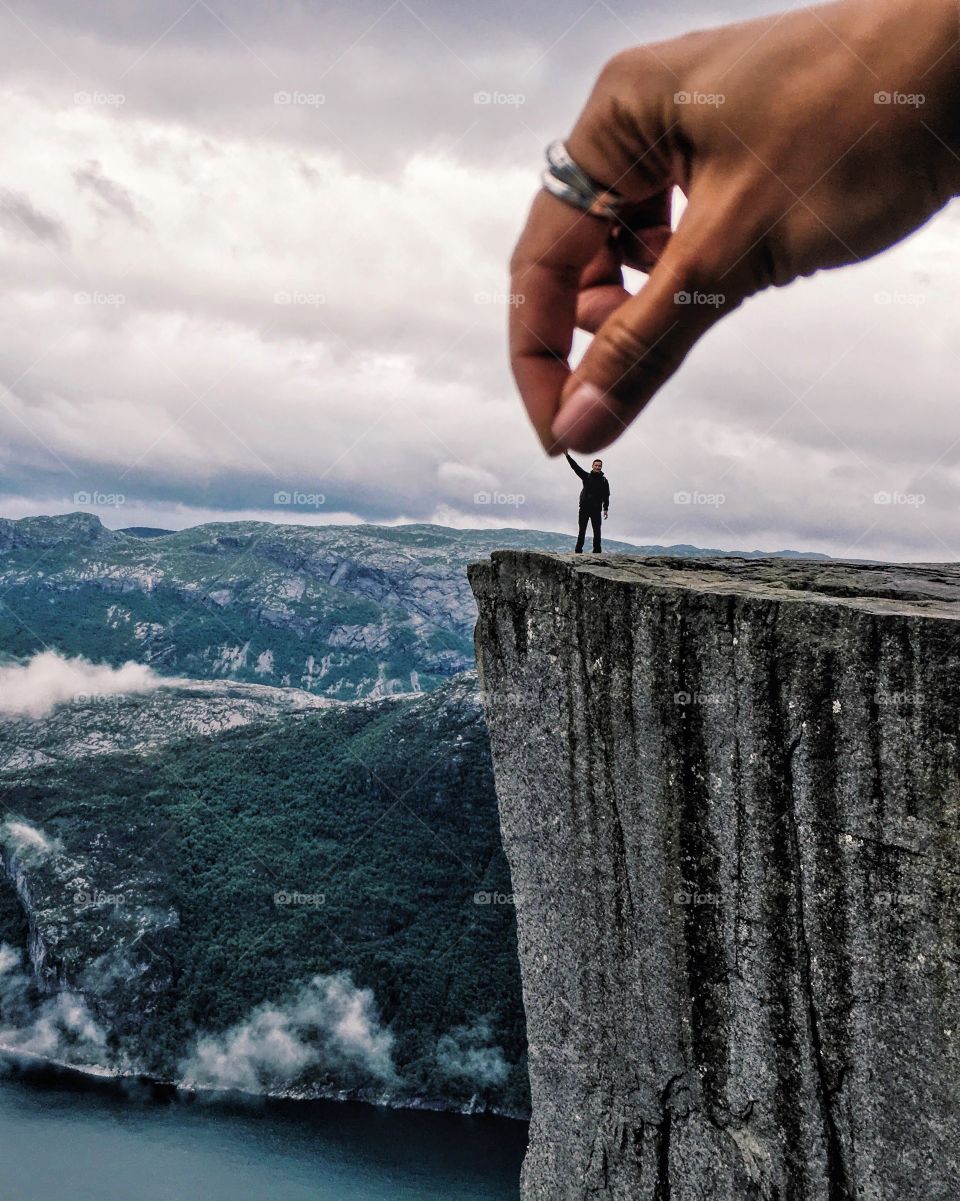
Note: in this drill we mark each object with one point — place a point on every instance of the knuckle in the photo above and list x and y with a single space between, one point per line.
632 355
626 69
618 70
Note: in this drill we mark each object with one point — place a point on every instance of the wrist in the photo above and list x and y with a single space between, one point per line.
912 48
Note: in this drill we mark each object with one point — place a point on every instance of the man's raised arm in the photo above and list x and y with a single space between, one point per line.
578 469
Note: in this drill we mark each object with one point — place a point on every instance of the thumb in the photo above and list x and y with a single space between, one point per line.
642 343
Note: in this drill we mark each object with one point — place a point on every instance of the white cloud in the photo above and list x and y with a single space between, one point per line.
468 1053
32 689
59 1028
26 841
330 1025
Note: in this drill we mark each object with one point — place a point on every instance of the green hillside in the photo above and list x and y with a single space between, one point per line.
382 814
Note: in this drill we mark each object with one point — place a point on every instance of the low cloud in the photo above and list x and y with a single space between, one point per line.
468 1053
26 842
19 216
114 195
34 688
59 1028
331 1026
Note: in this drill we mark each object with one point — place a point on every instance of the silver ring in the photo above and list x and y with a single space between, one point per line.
571 184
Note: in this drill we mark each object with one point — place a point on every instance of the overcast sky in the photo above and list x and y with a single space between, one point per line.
257 250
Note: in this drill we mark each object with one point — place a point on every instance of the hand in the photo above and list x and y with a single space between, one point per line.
605 514
778 134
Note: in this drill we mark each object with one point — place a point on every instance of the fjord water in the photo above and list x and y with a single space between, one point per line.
61 1136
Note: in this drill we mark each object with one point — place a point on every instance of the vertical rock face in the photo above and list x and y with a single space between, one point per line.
730 798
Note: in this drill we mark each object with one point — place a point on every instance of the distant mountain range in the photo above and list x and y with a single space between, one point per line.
342 611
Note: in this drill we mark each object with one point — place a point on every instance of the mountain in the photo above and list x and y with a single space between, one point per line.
341 611
208 871
145 531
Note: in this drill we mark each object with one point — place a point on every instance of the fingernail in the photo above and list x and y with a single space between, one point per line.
584 399
587 419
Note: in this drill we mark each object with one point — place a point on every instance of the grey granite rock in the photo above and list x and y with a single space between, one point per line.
730 798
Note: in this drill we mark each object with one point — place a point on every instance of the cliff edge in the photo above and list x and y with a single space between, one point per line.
730 797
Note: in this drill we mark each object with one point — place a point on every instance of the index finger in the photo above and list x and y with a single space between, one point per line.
557 243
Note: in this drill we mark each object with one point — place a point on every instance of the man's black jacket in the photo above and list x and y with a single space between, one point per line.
595 493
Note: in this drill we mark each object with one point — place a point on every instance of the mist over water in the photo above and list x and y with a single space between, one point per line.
131 1143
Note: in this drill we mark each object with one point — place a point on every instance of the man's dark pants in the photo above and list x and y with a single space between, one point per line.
593 515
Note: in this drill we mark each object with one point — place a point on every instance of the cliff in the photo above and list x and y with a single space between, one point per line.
730 798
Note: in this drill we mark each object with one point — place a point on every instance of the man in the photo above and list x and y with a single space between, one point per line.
594 497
